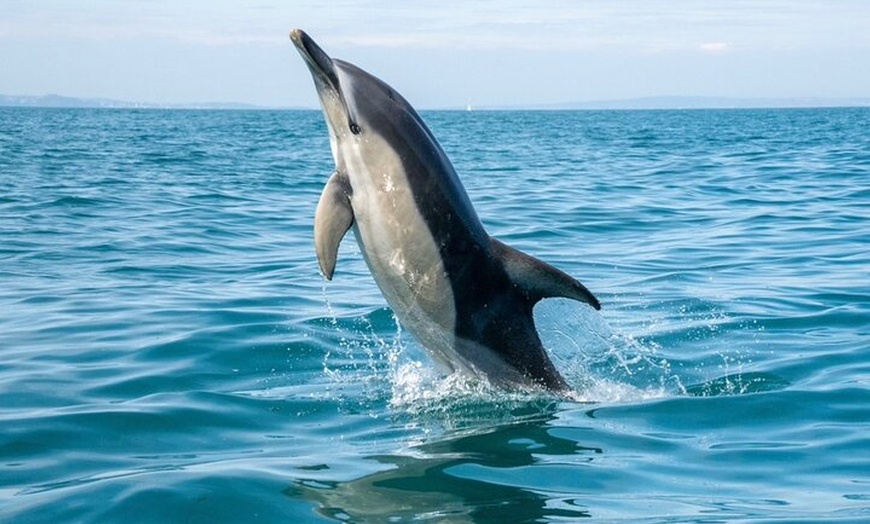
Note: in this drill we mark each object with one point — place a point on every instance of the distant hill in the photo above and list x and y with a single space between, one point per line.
68 101
704 102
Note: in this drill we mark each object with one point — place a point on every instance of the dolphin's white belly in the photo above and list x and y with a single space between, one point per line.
402 254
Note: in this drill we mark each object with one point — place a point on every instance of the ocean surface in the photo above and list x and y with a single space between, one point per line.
170 353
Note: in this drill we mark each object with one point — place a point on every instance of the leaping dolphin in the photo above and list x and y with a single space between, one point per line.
464 295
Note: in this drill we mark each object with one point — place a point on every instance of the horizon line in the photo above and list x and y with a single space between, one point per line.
673 102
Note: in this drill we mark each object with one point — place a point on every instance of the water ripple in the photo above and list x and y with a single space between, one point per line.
169 351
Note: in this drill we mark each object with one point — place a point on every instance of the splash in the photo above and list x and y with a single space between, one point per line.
373 362
603 364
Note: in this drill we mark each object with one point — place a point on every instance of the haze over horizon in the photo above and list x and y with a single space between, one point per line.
439 54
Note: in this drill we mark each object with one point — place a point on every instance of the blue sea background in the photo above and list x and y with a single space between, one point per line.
170 353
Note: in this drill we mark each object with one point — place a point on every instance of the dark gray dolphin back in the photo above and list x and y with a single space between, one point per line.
495 287
438 193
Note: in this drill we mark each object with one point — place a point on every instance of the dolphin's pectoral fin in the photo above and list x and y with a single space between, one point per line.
538 279
333 218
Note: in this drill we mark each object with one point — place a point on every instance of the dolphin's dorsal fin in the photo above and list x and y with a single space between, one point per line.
538 279
333 218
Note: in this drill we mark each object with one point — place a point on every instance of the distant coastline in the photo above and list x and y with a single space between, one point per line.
657 102
708 102
70 101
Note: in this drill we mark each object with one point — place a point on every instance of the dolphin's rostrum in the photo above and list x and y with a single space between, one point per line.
465 296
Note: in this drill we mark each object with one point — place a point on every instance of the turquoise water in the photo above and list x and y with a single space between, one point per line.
169 352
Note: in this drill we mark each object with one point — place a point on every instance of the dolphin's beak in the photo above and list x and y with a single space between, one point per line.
318 61
323 70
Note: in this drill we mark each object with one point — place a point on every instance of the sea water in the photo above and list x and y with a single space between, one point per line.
170 353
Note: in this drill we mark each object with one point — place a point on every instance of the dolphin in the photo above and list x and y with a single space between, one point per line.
464 295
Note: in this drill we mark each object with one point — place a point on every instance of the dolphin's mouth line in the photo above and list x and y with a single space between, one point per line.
324 69
316 58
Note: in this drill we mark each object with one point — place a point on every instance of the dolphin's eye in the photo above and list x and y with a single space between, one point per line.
354 128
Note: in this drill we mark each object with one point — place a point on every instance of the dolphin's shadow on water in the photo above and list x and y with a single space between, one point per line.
443 480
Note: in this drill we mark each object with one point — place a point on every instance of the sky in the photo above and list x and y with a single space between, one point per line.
438 53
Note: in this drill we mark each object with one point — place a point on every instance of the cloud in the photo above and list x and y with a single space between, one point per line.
714 47
530 25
